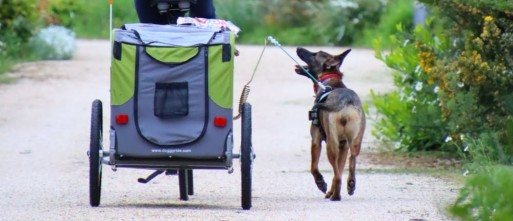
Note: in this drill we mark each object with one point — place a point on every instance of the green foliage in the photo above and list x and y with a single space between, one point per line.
21 19
18 20
93 21
245 15
466 62
313 22
65 12
411 117
395 12
320 22
53 43
486 149
486 196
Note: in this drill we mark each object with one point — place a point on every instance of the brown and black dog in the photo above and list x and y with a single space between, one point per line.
341 120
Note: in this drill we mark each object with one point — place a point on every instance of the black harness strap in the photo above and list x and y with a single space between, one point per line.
313 114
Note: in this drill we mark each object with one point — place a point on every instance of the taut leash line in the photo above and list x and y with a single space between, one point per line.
245 91
275 42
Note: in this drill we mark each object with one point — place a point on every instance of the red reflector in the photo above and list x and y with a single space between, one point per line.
220 121
122 119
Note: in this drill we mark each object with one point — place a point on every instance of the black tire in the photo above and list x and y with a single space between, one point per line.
95 145
246 158
182 183
190 183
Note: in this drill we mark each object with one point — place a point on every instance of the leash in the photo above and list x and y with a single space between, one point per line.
275 42
245 91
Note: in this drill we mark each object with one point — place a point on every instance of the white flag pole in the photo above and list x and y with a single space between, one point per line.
110 20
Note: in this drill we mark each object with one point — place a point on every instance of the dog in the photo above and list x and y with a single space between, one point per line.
341 120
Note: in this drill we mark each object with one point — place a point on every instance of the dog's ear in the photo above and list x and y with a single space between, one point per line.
337 60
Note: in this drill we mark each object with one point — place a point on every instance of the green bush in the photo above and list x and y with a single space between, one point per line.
465 62
246 16
485 150
411 117
18 18
486 196
319 22
395 12
53 43
93 21
18 21
65 12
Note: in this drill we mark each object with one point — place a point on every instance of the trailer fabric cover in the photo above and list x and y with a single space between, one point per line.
170 74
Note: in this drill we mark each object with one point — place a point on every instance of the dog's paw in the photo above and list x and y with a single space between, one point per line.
328 195
351 187
321 185
334 197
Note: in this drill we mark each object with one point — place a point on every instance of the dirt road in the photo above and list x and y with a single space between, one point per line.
44 132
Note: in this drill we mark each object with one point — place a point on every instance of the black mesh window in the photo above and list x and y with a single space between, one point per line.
171 99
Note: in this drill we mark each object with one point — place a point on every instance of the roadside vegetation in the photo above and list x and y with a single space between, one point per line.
314 22
453 75
454 94
36 29
18 19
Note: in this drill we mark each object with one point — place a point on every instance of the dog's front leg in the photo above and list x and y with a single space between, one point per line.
316 153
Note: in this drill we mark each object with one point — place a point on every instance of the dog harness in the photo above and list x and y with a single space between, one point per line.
313 114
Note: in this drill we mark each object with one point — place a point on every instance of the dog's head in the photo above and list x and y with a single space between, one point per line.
320 62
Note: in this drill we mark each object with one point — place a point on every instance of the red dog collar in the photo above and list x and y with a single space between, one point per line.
326 77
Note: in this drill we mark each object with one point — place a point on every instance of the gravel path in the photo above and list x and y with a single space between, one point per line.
44 132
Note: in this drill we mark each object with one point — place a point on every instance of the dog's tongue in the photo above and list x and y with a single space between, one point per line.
300 70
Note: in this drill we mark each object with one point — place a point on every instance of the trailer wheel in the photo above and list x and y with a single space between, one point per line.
95 146
246 158
183 184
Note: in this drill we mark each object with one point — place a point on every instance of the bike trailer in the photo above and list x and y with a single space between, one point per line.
171 107
171 92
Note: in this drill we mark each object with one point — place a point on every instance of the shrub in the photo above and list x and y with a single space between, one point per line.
93 21
246 16
321 22
486 149
53 43
468 63
64 12
411 117
395 12
486 196
18 20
